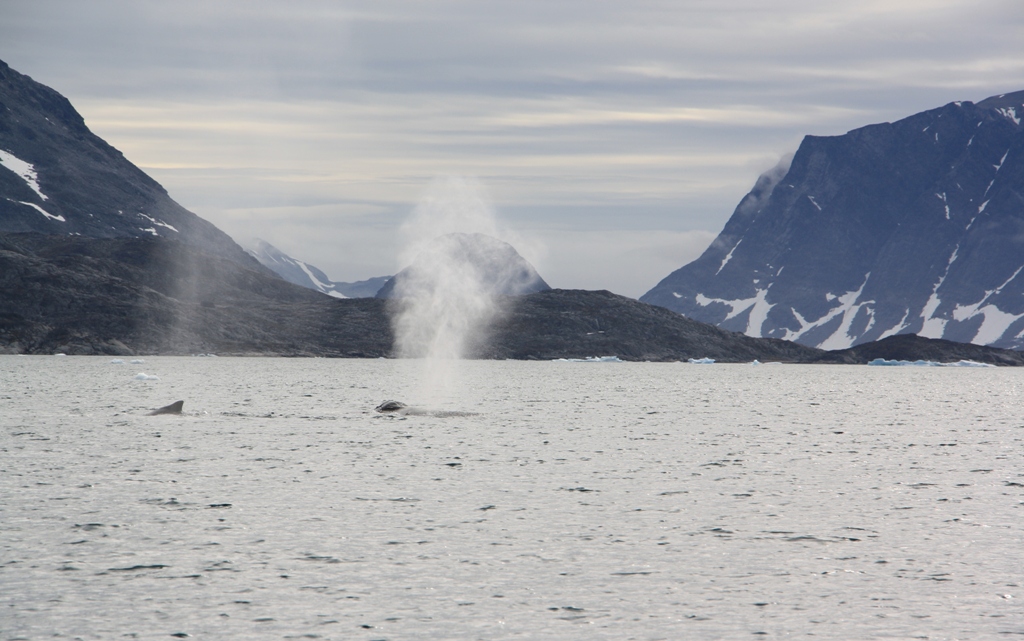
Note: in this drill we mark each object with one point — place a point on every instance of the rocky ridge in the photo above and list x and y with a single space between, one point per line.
911 227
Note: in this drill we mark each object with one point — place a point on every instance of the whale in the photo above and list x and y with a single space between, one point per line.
173 408
388 407
401 409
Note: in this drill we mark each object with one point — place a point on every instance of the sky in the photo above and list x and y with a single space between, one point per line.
610 140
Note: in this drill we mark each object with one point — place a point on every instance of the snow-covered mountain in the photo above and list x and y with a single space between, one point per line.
471 260
57 177
915 226
302 273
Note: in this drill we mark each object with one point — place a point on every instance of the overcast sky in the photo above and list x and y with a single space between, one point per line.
612 139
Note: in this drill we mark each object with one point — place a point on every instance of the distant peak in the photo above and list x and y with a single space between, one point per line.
1014 99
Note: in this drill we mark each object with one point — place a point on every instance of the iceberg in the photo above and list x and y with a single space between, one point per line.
590 359
701 361
142 376
895 363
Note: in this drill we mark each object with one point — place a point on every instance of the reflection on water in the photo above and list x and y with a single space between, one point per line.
581 501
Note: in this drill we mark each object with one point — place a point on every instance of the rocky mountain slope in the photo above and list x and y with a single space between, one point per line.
126 296
302 273
57 177
95 258
914 227
134 296
143 295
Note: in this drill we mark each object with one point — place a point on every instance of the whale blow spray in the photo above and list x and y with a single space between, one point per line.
457 278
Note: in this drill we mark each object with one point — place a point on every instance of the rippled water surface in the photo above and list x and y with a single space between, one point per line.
582 501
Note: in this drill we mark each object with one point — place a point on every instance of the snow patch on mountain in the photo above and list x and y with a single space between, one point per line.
934 327
39 209
727 258
757 304
24 170
1011 113
302 273
848 307
996 321
156 222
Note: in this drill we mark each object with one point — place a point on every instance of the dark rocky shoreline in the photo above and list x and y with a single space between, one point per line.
148 296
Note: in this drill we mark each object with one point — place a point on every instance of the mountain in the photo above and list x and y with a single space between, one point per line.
57 177
911 227
95 258
466 260
135 296
911 348
302 273
151 295
128 296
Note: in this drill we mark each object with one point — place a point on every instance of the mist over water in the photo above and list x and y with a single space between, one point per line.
446 301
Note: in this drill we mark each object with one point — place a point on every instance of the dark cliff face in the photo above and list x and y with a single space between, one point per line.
911 227
57 177
143 295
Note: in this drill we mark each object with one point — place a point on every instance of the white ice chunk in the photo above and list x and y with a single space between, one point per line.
117 361
142 376
137 361
701 361
895 363
591 359
24 170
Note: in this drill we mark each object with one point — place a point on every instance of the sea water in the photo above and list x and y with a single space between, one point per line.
601 500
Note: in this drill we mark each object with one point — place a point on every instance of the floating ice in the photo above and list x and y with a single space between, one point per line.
590 359
117 361
137 361
701 361
967 364
895 363
142 376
